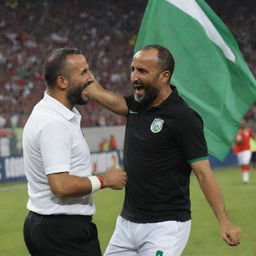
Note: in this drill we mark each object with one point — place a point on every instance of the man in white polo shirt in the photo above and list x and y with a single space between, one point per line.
57 164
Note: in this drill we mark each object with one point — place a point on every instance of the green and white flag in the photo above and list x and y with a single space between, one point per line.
210 72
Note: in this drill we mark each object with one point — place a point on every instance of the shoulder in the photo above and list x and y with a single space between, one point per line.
133 105
185 115
129 100
180 108
45 120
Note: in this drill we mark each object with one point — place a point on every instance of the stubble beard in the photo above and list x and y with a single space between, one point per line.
75 95
150 94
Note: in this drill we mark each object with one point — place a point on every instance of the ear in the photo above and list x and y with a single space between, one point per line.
165 76
62 82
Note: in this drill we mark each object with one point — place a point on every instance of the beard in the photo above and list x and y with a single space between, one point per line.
150 93
75 94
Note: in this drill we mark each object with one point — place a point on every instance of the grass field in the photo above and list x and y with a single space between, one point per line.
204 240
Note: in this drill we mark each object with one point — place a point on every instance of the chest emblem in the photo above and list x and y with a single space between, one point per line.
157 125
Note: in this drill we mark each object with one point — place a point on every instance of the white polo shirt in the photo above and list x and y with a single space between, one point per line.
53 142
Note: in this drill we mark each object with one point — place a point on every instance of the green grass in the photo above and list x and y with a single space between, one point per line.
205 239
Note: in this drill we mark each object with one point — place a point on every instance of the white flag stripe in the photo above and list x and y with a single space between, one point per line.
194 10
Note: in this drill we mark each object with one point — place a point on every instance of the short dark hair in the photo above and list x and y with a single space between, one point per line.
166 60
55 64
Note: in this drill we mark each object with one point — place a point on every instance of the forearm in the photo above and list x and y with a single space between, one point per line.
214 197
64 185
113 102
110 100
230 233
211 190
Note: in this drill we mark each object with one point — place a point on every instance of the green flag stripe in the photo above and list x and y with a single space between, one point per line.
193 9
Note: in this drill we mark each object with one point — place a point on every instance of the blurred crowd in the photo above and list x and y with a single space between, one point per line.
106 32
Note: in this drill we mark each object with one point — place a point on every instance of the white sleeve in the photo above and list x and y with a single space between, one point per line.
55 143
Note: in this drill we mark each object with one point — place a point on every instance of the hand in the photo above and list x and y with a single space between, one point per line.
114 177
230 233
92 88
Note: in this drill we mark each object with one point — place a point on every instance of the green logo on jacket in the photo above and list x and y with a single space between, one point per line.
157 125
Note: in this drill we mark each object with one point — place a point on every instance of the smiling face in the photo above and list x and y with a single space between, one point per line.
145 76
79 77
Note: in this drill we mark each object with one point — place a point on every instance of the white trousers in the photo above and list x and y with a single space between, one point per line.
244 157
167 238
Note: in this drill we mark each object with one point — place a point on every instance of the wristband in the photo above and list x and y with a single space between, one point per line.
102 183
95 182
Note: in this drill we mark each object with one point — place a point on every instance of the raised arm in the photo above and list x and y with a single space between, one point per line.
230 233
112 101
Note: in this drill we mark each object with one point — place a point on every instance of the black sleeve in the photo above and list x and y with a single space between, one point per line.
189 135
129 100
133 106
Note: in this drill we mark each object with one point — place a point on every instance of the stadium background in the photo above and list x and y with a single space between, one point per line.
106 32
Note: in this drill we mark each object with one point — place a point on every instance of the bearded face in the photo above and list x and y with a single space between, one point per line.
77 77
76 93
145 92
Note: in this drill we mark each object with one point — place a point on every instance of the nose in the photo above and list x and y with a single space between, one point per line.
90 77
134 76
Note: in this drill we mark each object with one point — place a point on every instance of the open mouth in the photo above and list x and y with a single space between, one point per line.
139 89
87 84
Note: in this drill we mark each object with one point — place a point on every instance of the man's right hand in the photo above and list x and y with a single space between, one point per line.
115 178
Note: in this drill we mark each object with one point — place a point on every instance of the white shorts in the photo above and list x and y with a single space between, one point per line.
154 239
244 157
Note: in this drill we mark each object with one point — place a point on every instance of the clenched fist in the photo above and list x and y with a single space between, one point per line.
114 177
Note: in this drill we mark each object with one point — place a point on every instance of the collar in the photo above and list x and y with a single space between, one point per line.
60 108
